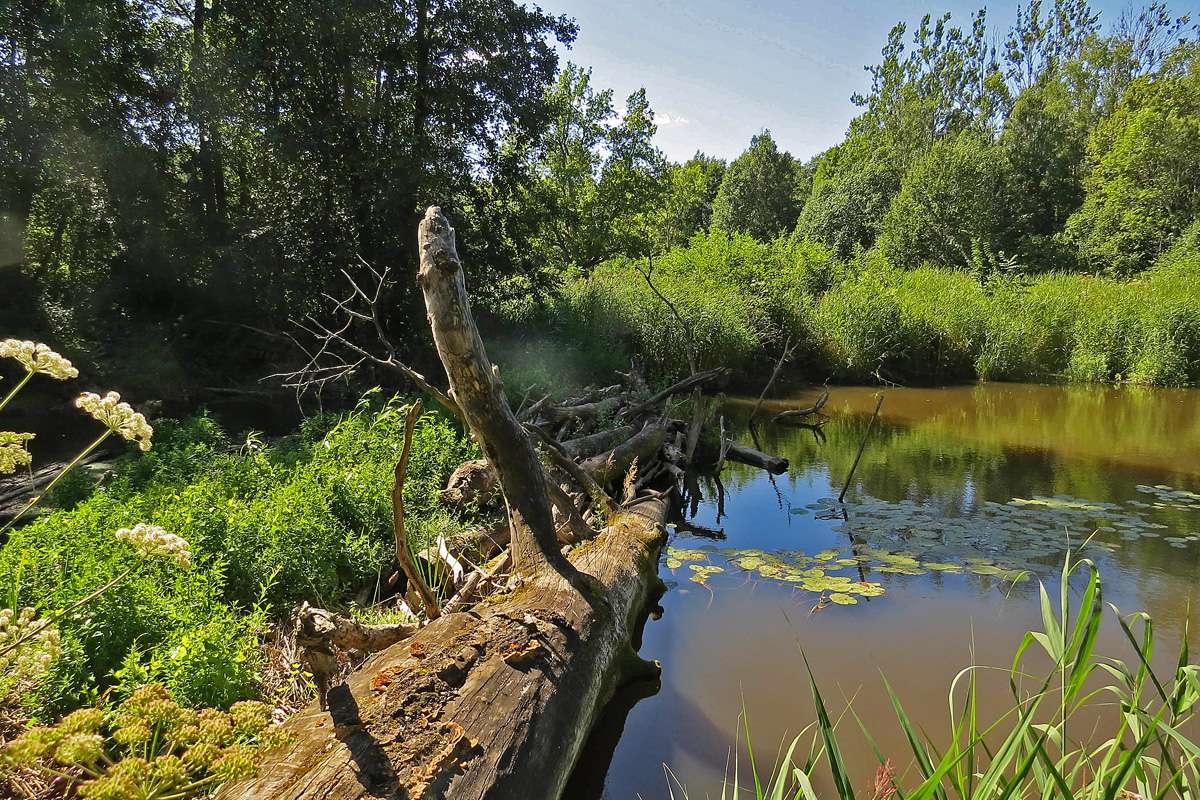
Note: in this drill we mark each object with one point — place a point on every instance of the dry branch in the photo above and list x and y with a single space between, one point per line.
403 554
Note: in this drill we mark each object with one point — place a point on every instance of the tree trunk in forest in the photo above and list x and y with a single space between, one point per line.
475 387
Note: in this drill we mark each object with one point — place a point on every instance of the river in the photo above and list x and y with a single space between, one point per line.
965 498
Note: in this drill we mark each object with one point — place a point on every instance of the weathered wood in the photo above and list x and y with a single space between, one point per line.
320 633
756 458
472 481
404 559
575 471
493 706
586 446
690 382
476 388
608 467
813 410
496 703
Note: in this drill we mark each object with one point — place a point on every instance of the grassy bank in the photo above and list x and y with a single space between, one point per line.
308 518
867 319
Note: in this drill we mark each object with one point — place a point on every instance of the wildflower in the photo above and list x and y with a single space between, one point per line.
151 540
32 745
215 727
133 735
275 736
38 358
168 772
83 720
118 417
250 716
199 757
13 453
80 748
237 763
28 648
885 781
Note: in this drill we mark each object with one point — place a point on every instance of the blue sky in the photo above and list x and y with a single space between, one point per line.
719 71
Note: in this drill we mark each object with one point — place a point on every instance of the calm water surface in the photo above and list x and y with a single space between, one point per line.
986 483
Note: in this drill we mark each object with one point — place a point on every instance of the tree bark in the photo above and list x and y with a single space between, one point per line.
496 706
475 387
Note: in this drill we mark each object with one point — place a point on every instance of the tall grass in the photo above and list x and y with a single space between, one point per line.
1038 748
867 319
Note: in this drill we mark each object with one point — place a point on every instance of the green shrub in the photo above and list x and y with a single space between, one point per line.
307 519
738 295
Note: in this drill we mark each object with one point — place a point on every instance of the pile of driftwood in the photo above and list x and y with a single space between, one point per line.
495 695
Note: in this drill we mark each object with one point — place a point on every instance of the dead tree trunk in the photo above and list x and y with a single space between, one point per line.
497 702
475 387
493 706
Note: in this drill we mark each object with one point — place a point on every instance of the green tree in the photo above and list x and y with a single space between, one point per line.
758 191
950 202
1042 146
1144 183
597 177
688 204
851 191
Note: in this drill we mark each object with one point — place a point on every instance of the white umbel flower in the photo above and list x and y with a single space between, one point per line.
117 416
38 358
13 453
151 540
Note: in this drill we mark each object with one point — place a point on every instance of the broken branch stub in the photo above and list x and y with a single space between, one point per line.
475 387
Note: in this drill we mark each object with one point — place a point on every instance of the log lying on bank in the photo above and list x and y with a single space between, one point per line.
497 697
496 705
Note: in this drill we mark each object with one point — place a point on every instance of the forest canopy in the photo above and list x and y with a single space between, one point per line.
173 173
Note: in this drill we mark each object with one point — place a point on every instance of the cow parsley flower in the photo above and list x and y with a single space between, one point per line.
38 358
13 453
151 540
117 416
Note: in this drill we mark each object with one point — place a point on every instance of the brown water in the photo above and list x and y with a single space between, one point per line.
987 481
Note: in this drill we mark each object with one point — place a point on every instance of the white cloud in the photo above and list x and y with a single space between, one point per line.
665 120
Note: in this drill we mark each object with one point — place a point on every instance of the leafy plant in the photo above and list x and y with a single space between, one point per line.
149 747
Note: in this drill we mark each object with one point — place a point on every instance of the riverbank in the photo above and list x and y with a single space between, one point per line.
736 301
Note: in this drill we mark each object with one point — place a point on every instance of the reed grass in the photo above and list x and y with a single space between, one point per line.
1037 748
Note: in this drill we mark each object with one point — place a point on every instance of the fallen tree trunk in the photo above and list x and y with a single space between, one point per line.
498 701
612 466
586 446
756 458
496 706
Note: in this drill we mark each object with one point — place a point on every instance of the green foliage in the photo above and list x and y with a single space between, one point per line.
738 296
902 324
150 747
950 198
758 192
307 519
175 166
596 177
688 204
1144 183
847 204
934 324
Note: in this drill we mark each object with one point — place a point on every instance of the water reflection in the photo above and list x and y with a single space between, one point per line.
952 476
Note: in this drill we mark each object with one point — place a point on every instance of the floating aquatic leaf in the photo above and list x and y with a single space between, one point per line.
940 566
842 599
674 563
685 554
